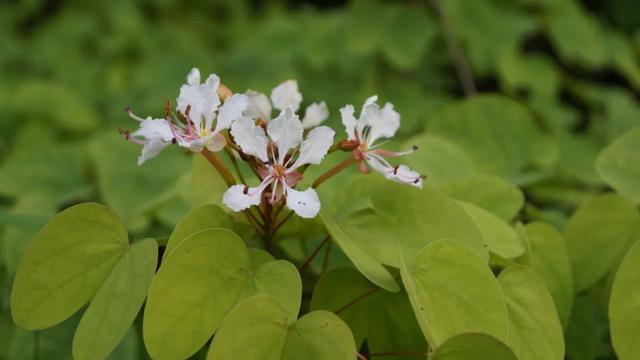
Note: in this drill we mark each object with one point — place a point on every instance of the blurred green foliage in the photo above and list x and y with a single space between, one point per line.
559 82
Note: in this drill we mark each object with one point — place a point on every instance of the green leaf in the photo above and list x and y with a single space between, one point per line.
413 218
204 186
385 319
281 280
487 29
474 346
597 236
195 287
624 306
361 258
547 255
259 328
488 192
66 264
498 133
117 302
133 190
535 331
17 236
408 33
576 35
198 219
453 291
441 160
618 163
205 275
586 330
499 236
49 168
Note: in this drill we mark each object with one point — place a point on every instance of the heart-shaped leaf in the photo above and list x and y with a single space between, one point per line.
474 346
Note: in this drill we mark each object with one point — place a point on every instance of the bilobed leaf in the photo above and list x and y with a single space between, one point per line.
385 319
279 279
206 186
198 219
488 192
618 164
371 268
195 287
205 275
474 346
535 331
66 264
259 328
597 236
547 255
117 302
624 306
453 291
499 236
408 32
409 218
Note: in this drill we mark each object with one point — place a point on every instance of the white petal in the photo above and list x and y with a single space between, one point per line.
194 77
251 138
151 149
314 115
151 129
315 146
383 122
215 142
202 98
349 121
286 95
259 105
286 131
304 203
237 199
231 111
401 174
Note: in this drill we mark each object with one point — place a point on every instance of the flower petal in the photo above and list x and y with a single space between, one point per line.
314 115
286 95
286 131
383 122
251 138
400 174
349 121
231 111
259 105
202 99
151 129
151 149
304 203
194 77
239 197
314 147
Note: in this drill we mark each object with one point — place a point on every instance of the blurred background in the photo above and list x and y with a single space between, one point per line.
68 68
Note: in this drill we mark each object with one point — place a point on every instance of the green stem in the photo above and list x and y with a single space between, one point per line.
315 252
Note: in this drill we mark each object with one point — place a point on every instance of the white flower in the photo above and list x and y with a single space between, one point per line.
279 174
198 108
286 95
376 123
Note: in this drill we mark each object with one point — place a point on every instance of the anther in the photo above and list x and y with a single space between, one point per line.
414 147
174 141
187 111
395 170
245 190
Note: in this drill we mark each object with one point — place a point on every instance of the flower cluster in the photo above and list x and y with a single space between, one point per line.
209 118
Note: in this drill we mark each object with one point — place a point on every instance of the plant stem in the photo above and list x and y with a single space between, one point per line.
234 161
279 225
315 252
334 170
357 299
460 62
325 261
222 169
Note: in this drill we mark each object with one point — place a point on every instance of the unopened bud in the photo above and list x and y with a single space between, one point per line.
348 145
